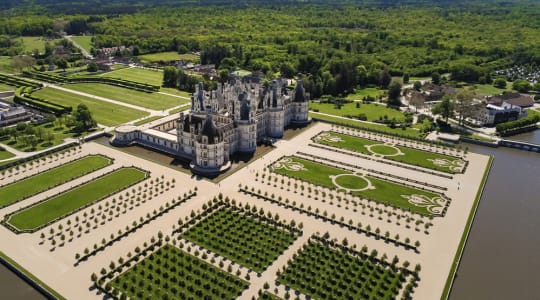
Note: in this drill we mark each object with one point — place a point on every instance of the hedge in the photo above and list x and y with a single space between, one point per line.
22 97
18 82
508 127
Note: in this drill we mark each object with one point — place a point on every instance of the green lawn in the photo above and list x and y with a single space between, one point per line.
104 113
6 64
66 203
242 239
320 271
359 94
84 41
176 92
488 89
4 154
179 275
368 126
147 120
138 75
154 101
168 56
384 191
179 109
372 111
268 296
446 163
4 87
35 42
43 181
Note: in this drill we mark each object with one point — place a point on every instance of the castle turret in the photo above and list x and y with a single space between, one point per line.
300 102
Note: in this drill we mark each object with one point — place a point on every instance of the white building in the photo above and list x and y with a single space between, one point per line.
233 118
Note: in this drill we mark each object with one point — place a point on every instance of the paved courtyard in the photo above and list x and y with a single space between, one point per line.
55 264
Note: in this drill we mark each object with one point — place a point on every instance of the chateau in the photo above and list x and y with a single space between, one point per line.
233 118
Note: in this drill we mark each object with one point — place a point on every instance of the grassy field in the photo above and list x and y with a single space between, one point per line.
359 124
179 109
138 75
154 101
104 113
35 42
176 92
43 181
168 56
4 87
384 191
359 94
373 112
6 64
488 89
240 238
411 156
147 120
4 154
65 203
319 271
179 275
84 41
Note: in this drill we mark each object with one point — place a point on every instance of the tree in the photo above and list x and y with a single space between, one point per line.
92 67
385 78
445 108
62 64
406 78
464 105
83 118
417 100
170 77
499 83
23 62
394 94
521 85
417 85
436 78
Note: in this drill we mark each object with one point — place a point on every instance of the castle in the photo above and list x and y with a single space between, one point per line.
233 118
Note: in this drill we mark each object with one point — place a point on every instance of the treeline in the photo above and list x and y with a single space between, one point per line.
508 128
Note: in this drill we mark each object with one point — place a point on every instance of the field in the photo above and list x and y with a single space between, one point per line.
177 275
179 109
104 113
488 89
4 87
43 181
240 238
359 94
35 42
147 100
410 132
83 41
138 75
6 64
322 272
406 155
168 56
65 203
4 154
365 186
147 120
373 112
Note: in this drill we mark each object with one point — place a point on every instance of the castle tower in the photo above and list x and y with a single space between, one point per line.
247 126
300 102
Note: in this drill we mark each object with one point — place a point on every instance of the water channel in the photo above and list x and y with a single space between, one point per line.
501 258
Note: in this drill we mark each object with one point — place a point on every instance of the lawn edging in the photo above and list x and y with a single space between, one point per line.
465 236
29 278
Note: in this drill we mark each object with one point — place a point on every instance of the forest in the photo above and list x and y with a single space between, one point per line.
338 45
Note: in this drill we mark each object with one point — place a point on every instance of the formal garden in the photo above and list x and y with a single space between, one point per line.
42 213
392 151
245 239
171 273
326 270
32 185
408 198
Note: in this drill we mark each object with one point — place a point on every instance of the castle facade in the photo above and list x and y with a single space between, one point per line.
233 118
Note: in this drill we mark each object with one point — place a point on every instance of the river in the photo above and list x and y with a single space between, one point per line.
501 259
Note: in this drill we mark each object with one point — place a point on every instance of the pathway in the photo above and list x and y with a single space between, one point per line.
84 52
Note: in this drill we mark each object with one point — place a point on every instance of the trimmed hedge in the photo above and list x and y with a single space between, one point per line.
18 82
508 128
22 97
